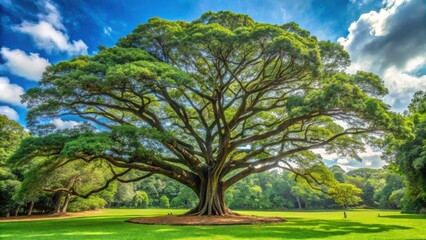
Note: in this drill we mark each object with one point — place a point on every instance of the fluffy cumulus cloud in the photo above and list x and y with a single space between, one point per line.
50 34
30 66
342 161
392 44
10 93
61 124
9 112
371 158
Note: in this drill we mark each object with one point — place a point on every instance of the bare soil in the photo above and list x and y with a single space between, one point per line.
48 216
206 220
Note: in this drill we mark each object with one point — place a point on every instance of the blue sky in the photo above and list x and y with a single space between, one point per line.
387 37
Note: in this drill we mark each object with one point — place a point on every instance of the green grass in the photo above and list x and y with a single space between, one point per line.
361 224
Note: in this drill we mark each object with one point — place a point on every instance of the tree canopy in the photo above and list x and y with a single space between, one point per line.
409 155
208 103
11 135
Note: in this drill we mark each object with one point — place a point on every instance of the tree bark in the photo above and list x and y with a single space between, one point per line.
30 211
67 200
211 197
17 211
299 203
58 203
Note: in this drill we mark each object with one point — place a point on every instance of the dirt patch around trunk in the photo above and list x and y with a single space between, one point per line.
206 220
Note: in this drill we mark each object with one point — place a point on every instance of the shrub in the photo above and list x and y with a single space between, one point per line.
164 202
140 199
91 203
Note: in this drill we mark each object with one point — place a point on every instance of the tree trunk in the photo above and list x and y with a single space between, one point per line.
8 214
211 197
299 203
67 200
58 203
30 211
17 211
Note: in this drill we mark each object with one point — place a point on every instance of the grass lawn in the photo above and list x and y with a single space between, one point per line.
109 224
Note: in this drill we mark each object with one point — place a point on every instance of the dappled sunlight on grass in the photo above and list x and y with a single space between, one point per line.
87 233
166 230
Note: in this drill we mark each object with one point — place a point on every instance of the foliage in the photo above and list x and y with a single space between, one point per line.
124 195
164 202
11 135
346 194
7 189
140 199
91 203
184 199
394 182
396 198
409 155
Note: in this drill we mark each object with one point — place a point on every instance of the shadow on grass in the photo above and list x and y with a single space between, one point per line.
116 228
305 229
406 216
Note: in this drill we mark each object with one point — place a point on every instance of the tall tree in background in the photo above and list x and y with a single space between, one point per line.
410 156
208 103
11 135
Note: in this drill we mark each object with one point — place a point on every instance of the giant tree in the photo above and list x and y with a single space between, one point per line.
210 102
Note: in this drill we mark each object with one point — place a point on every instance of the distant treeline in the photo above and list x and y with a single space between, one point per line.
275 190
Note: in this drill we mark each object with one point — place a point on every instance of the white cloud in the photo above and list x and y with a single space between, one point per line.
370 152
9 112
107 30
10 93
343 161
370 159
30 66
359 3
52 15
49 33
61 124
402 86
347 168
392 44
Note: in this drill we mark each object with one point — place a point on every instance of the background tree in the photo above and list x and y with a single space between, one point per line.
185 199
123 196
68 182
394 182
11 135
346 195
409 155
304 194
164 202
210 102
338 173
140 199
